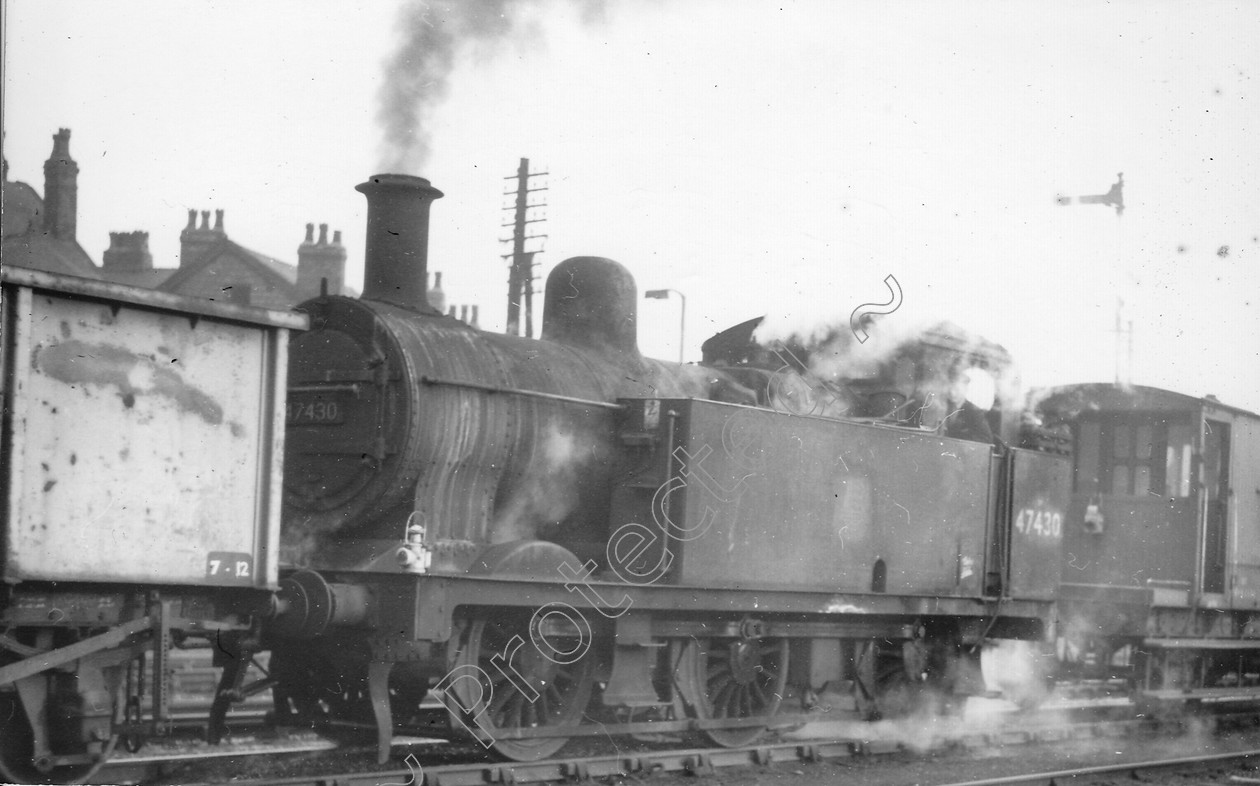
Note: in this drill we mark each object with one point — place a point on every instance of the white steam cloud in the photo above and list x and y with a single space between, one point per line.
835 352
552 488
836 355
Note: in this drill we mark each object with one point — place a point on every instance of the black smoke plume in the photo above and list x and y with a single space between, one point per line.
418 73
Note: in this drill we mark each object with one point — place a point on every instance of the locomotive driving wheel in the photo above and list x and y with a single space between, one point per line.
555 693
733 679
883 686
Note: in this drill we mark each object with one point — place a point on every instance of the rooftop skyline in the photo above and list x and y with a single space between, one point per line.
761 159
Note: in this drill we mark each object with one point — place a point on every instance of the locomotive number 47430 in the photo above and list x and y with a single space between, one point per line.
1034 521
303 410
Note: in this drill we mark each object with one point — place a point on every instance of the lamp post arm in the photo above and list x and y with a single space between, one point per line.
682 328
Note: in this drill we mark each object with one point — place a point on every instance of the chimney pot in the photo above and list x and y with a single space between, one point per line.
128 252
321 267
61 144
195 239
336 237
476 322
451 311
463 313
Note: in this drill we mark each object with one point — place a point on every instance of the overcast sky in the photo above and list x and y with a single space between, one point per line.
763 158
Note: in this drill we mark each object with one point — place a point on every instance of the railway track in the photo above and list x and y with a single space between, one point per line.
431 761
1135 770
159 757
1077 711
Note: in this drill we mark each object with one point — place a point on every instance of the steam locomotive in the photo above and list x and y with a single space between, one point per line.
548 530
541 534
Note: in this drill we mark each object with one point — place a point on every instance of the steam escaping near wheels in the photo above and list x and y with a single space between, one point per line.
1019 670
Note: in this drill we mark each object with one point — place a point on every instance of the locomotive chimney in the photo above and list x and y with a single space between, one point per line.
397 250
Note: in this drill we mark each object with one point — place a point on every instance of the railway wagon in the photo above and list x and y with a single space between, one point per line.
1161 547
141 445
548 531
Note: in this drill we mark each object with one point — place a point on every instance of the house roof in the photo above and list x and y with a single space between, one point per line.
283 269
281 274
22 207
26 244
149 279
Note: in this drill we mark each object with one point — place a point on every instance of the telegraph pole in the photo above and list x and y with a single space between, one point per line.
521 271
1121 332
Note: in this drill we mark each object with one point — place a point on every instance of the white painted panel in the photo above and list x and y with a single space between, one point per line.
1244 512
138 434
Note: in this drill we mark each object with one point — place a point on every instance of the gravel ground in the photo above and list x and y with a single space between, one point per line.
956 766
901 769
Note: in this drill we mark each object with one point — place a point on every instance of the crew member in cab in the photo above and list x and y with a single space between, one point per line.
970 400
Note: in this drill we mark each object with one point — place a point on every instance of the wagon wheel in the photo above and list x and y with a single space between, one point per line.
560 691
64 709
727 679
882 687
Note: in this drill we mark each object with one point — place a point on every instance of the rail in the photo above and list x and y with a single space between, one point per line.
1132 768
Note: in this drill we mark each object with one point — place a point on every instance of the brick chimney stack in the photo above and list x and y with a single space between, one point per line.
194 240
61 189
128 252
320 260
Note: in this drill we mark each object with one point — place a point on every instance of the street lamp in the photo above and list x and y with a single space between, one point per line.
663 294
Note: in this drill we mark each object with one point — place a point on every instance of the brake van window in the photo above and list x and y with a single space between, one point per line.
1143 455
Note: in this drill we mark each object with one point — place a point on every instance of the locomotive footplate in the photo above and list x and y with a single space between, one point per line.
427 606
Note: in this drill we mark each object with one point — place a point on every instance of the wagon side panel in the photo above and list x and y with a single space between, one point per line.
144 444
